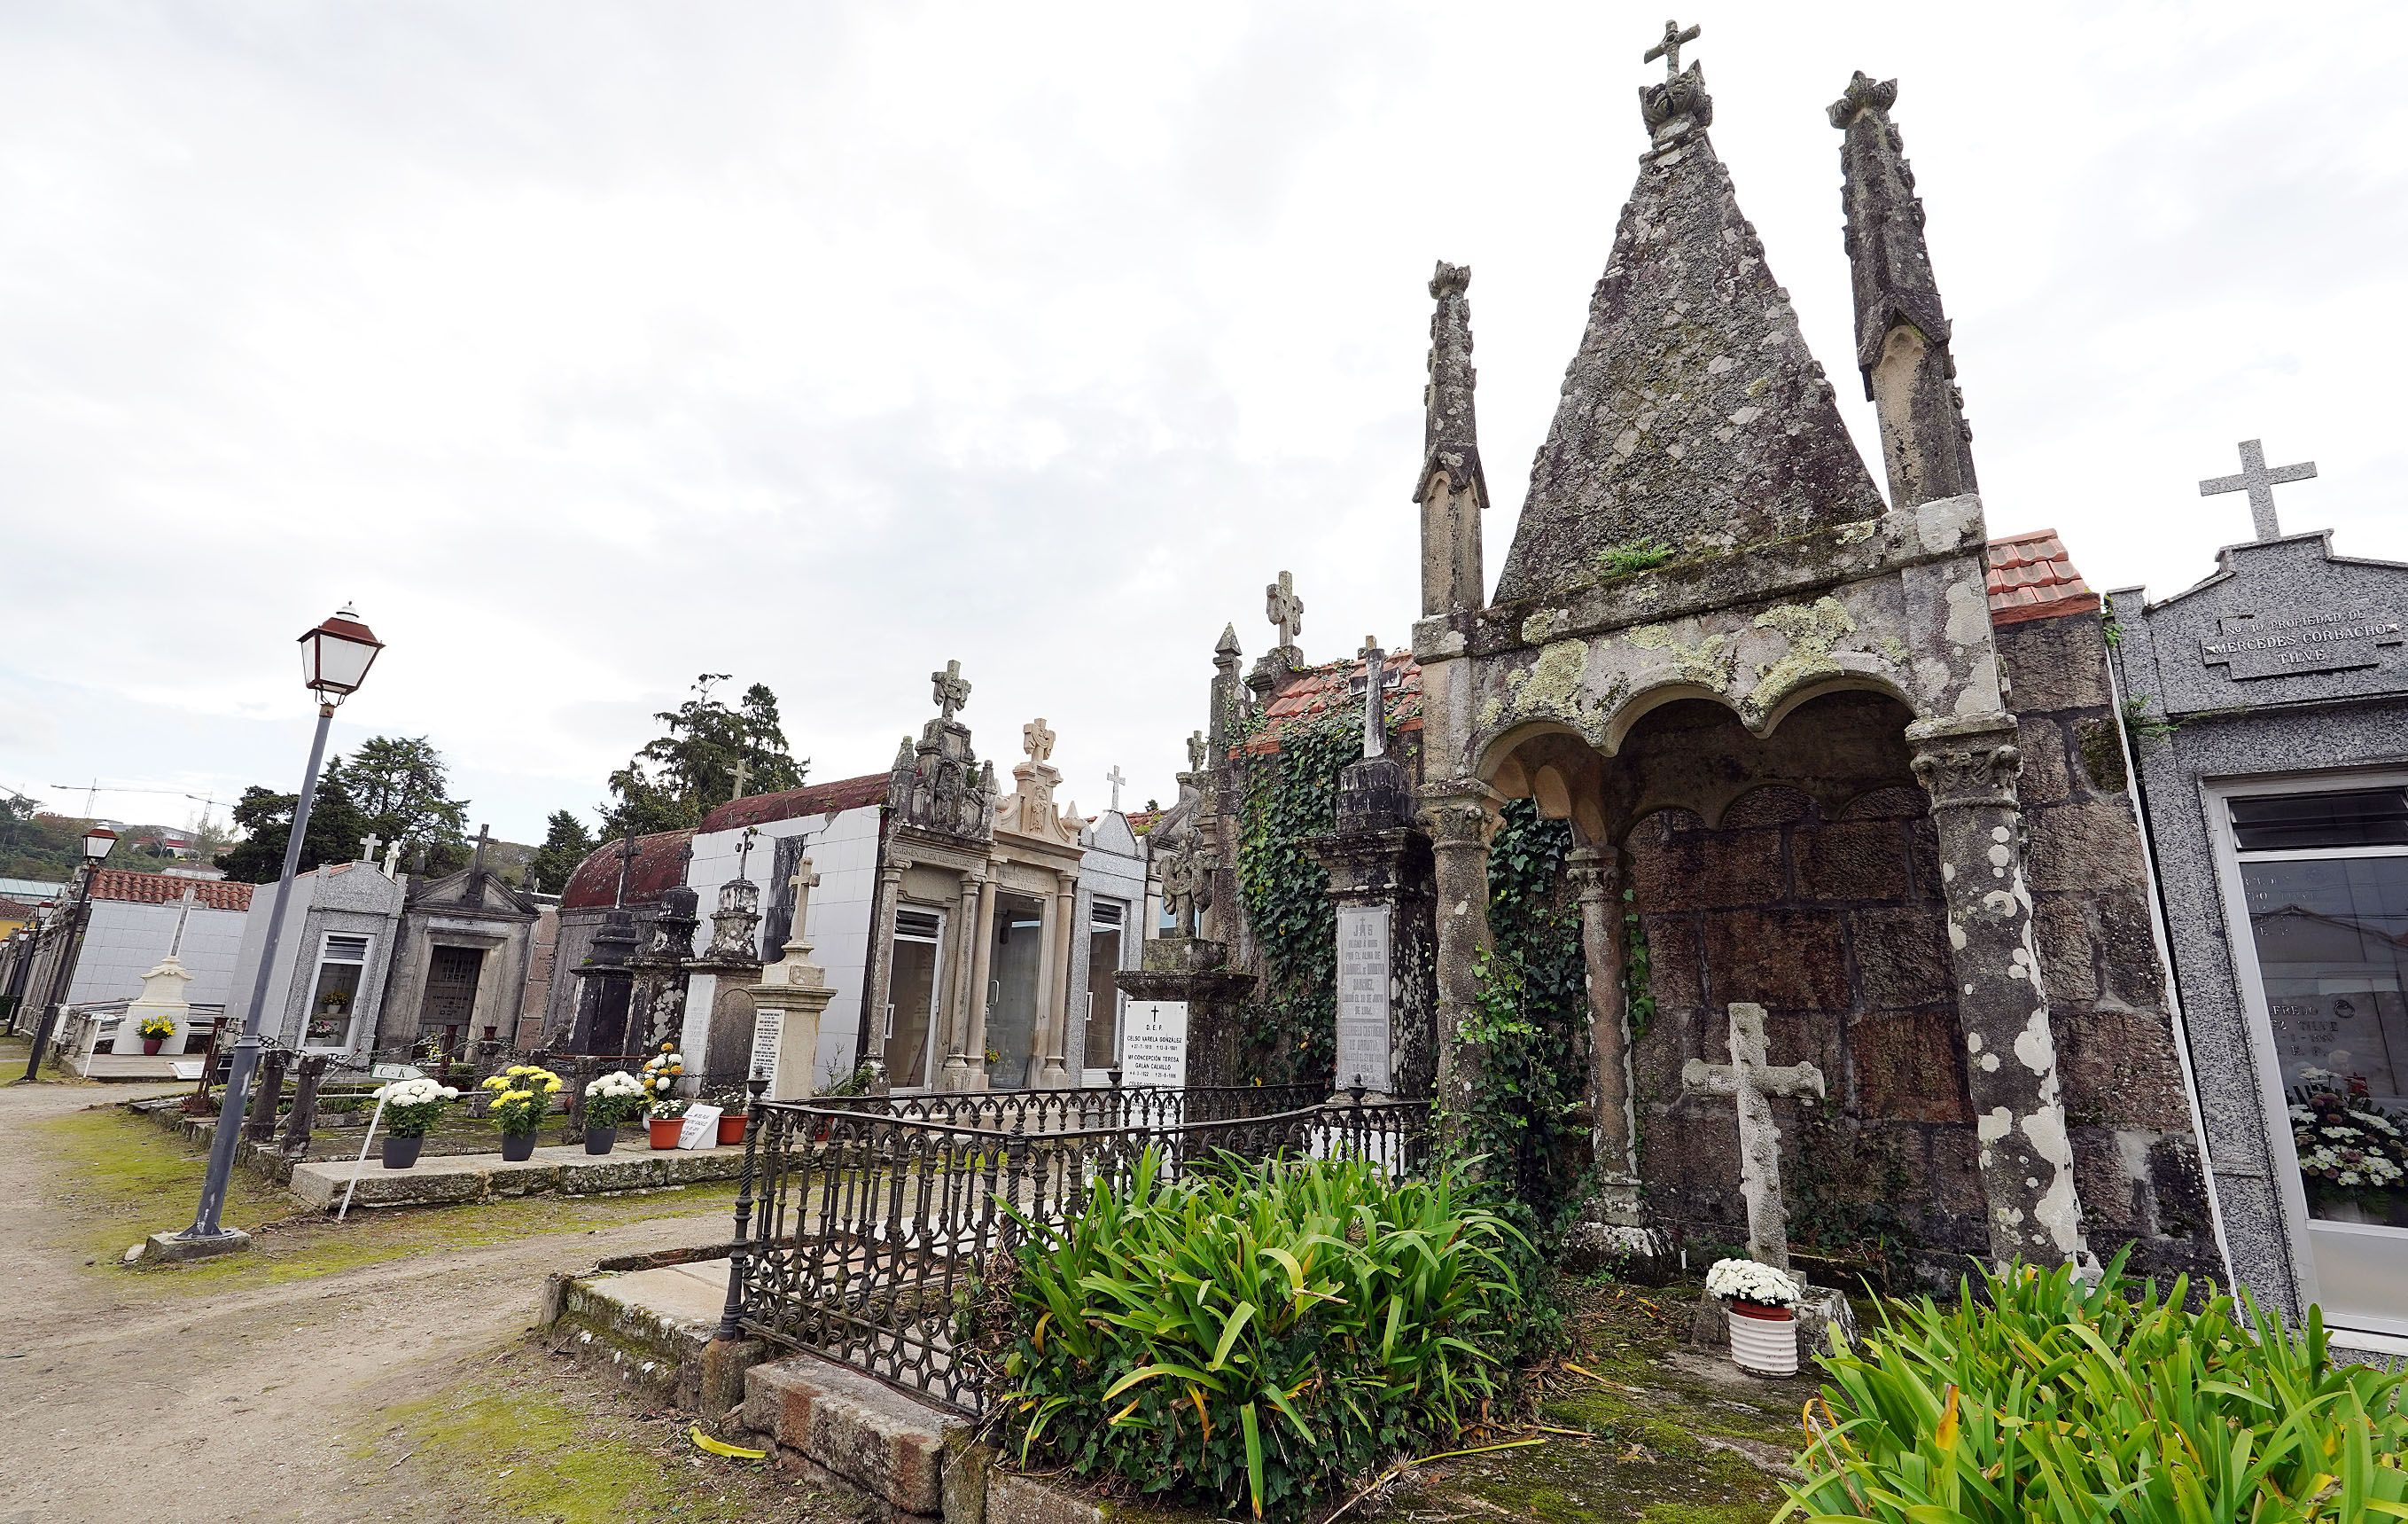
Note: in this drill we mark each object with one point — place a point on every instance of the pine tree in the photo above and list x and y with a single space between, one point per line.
677 779
566 843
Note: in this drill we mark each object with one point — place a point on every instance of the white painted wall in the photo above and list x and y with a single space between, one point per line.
126 940
844 853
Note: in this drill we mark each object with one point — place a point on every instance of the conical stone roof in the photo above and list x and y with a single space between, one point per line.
1692 415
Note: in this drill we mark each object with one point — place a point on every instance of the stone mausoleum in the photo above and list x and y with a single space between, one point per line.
2269 717
1823 749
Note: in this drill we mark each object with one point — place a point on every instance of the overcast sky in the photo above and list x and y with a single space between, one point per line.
589 347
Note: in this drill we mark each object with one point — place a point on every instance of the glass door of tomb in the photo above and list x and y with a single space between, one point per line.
2320 871
1017 960
911 987
1103 1024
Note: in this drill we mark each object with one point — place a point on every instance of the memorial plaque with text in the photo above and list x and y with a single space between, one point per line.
769 1030
2328 639
1153 1050
1365 1037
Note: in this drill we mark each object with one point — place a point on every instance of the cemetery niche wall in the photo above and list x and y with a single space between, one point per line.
1846 760
2268 710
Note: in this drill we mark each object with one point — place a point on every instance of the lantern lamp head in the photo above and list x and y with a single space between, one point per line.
335 656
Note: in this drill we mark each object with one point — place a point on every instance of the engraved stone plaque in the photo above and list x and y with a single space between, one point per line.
1153 1051
2328 640
1365 1038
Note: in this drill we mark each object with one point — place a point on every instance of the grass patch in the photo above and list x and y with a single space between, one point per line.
125 1178
1619 561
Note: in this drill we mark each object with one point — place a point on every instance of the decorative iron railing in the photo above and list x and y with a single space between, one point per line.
877 1224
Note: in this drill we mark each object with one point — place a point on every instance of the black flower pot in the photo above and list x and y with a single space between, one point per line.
518 1147
401 1153
599 1139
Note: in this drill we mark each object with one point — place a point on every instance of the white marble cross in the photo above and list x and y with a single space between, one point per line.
1115 779
1377 681
1284 609
391 859
806 878
1750 1081
369 845
2260 484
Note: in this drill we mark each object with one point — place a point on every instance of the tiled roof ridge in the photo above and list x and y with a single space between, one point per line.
135 887
830 797
2031 576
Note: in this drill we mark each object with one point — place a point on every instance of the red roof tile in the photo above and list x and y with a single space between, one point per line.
2031 577
795 803
1142 821
660 866
15 910
1315 690
165 889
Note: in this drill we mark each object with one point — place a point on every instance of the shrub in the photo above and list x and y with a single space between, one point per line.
2067 1401
615 1098
1248 1336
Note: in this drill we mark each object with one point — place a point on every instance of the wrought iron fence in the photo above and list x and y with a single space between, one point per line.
876 1223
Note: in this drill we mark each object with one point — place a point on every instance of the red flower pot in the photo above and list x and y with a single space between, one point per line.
731 1128
150 1045
666 1130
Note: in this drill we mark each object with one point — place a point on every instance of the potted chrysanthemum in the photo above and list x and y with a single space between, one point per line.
411 1108
662 1072
733 1106
615 1098
522 1095
155 1030
1763 1306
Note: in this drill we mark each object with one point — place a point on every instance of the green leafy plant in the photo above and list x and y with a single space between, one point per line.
1640 555
522 1095
156 1026
2039 1396
1248 1337
1291 800
2143 728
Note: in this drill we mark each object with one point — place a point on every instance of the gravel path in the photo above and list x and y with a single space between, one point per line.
128 1396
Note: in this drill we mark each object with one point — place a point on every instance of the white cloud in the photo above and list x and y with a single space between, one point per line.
592 346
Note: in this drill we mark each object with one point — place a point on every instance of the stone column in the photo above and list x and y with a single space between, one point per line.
963 998
1461 815
1596 873
881 970
1969 767
1055 1073
982 974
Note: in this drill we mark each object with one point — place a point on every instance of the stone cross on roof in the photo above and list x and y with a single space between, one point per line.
744 852
1750 1081
1115 779
1196 749
952 692
1284 609
1377 681
1037 741
369 845
626 864
2260 484
743 777
1670 48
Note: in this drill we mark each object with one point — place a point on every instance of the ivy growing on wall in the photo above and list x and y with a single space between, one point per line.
1291 797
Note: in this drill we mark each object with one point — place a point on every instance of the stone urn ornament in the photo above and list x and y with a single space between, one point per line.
1763 1306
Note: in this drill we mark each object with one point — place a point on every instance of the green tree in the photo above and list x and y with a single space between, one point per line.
673 780
402 789
566 843
266 819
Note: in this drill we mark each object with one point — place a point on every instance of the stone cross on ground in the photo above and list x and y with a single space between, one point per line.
1670 48
952 692
806 878
1377 681
1037 741
1284 609
1750 1081
2260 484
743 777
1115 779
369 845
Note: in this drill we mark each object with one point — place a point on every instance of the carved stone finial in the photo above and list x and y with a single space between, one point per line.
1863 95
1450 279
1037 741
1226 649
1196 751
953 692
1284 609
1669 49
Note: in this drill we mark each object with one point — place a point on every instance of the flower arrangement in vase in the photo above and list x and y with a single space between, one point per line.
155 1030
521 1096
733 1107
662 1072
1762 1301
2353 1154
411 1108
614 1098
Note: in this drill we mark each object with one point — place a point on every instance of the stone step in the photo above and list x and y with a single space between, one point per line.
860 1429
438 1179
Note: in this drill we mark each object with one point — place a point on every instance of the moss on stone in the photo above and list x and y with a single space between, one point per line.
2102 755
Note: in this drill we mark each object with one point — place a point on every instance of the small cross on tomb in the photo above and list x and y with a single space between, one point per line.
1115 779
1377 681
369 845
951 691
1284 609
477 860
744 852
1037 741
1751 1082
1670 48
2260 484
743 777
1196 749
806 878
626 865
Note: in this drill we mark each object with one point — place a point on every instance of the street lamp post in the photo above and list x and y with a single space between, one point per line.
96 845
335 661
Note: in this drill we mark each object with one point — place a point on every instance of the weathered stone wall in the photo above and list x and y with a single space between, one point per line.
2128 1111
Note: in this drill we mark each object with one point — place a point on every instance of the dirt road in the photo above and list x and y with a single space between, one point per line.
137 1394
